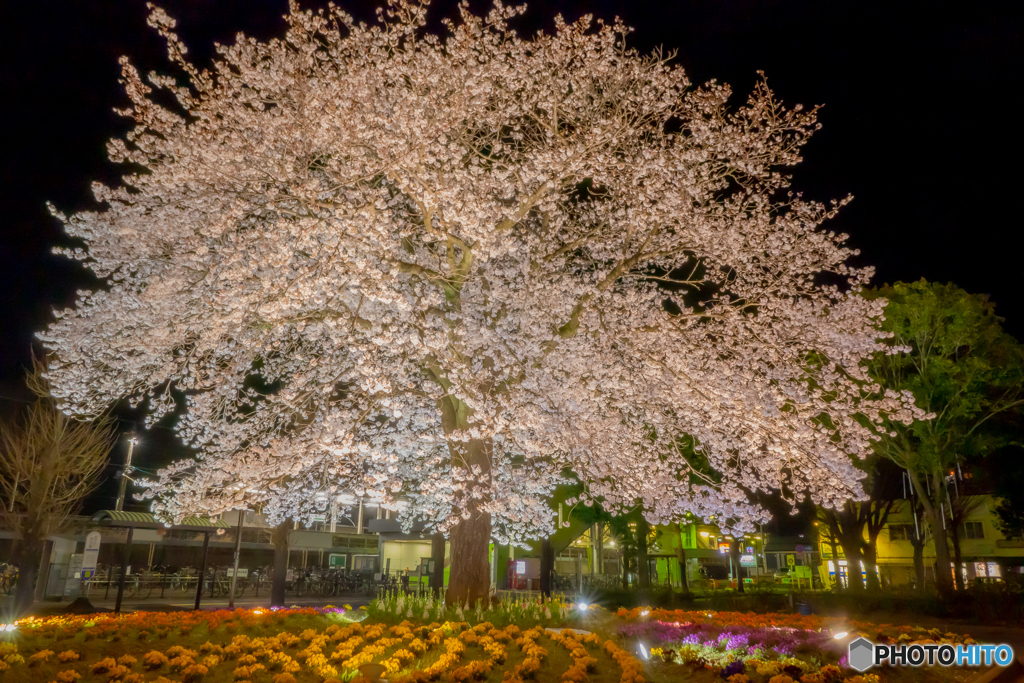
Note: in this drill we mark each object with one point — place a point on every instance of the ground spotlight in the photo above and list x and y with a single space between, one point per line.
643 651
583 606
840 635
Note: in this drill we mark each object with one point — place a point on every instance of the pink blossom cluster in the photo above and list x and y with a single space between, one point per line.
593 266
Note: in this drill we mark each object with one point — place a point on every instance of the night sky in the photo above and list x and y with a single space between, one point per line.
919 123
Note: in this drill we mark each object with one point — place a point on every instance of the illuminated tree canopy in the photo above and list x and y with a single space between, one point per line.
447 269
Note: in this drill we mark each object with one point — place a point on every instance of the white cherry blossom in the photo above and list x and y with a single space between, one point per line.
447 270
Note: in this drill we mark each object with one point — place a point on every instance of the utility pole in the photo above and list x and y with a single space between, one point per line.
125 472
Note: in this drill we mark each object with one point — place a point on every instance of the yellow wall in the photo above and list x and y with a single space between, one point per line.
899 554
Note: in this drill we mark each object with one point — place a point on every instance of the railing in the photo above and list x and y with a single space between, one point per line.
217 584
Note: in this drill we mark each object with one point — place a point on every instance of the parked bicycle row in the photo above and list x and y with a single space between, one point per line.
162 582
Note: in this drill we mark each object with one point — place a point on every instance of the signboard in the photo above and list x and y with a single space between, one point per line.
790 561
338 560
73 575
91 555
242 573
723 548
750 550
748 561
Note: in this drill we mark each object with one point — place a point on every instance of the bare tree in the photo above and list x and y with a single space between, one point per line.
49 463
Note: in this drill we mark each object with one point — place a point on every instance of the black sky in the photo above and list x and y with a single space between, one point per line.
921 121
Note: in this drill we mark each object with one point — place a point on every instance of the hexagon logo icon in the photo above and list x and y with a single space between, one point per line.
861 654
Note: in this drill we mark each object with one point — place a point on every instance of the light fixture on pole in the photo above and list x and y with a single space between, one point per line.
132 440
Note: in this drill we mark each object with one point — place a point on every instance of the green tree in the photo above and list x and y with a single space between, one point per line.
964 370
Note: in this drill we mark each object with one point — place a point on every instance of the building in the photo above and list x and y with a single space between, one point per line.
986 553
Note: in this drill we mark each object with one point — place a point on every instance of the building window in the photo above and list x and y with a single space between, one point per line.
901 532
973 530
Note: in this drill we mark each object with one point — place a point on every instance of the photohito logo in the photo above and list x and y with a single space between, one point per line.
864 654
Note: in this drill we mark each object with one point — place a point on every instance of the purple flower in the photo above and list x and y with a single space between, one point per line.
734 667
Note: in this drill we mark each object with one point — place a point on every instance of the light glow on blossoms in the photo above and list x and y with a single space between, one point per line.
448 269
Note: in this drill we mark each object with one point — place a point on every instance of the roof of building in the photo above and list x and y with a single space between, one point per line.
146 520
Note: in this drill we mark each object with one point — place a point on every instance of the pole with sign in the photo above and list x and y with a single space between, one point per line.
91 555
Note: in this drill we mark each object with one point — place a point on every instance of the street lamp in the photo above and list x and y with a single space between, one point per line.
132 440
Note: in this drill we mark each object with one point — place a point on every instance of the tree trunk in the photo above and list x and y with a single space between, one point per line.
547 566
878 515
958 574
643 565
919 564
734 552
933 511
835 559
681 558
469 573
437 552
280 541
869 553
854 562
469 576
943 569
27 557
625 571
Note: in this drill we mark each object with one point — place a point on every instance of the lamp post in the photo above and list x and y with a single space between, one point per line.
238 550
132 440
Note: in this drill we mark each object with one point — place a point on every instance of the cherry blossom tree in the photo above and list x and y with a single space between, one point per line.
446 270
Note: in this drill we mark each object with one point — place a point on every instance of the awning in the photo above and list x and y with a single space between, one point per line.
146 520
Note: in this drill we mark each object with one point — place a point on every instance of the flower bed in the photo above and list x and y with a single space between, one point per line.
777 648
420 641
298 646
